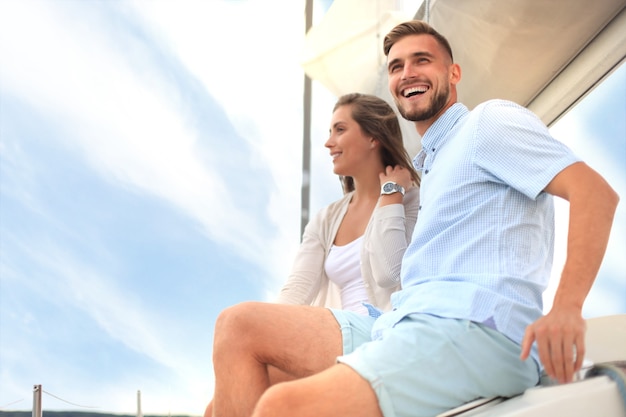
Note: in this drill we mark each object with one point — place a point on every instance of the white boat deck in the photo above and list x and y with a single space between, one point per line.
599 391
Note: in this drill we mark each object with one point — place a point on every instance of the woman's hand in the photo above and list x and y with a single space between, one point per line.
397 174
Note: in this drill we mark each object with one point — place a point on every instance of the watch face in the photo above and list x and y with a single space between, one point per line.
388 187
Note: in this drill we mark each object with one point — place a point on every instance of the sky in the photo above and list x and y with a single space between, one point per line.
150 174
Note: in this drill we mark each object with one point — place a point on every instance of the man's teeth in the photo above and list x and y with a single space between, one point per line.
414 90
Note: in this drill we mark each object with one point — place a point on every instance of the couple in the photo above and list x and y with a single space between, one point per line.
467 322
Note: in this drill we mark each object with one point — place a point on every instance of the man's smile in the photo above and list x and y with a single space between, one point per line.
412 91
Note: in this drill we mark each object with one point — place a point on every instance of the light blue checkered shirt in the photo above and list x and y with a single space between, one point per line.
483 243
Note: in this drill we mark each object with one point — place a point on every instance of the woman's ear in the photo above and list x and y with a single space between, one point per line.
373 143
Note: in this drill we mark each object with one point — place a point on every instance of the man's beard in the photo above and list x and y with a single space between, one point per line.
437 103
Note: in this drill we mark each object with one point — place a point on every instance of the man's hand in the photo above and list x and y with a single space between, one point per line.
560 337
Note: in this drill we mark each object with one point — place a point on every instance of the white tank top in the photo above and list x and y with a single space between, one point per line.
343 267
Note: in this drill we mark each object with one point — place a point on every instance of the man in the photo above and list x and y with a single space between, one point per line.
469 312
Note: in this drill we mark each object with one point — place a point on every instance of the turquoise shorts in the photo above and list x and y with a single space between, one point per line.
422 365
356 329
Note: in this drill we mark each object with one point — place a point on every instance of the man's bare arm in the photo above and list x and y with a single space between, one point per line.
560 335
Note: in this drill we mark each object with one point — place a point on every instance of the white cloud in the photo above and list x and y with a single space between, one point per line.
122 115
247 56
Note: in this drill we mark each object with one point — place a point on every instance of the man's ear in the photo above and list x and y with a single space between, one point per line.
455 74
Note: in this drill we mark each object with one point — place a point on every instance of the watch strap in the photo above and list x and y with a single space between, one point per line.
391 187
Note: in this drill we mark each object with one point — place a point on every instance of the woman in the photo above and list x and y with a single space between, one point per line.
351 250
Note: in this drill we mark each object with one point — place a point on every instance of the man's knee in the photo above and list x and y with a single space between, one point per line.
278 400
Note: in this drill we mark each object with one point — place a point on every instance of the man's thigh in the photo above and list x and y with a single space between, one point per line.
337 391
423 365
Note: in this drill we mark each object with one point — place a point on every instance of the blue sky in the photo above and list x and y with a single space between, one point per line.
150 172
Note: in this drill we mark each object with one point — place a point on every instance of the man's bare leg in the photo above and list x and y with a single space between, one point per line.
297 340
337 391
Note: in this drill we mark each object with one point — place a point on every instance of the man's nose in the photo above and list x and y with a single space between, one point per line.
408 71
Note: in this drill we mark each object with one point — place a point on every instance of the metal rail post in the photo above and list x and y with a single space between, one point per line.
37 401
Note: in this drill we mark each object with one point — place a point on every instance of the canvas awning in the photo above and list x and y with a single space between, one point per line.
545 55
344 51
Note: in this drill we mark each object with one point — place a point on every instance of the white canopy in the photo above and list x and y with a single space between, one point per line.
344 51
543 54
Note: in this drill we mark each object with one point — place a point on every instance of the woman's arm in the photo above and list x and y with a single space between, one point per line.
304 281
390 229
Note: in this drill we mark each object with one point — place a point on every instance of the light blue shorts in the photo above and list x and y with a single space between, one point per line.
356 329
422 365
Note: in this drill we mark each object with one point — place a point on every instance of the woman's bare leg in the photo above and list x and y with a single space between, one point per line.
298 341
275 375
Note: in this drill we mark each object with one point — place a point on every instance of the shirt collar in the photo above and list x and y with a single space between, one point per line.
437 132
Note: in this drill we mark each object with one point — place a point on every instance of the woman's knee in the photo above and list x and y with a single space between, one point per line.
232 327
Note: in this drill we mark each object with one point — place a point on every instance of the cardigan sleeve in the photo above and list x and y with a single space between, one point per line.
388 236
305 279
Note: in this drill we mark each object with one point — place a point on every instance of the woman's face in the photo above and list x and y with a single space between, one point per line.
350 149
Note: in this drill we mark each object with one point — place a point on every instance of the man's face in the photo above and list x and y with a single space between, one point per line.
419 78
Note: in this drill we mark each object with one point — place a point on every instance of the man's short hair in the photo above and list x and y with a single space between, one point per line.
415 27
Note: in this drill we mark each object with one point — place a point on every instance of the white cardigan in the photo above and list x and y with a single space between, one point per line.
385 240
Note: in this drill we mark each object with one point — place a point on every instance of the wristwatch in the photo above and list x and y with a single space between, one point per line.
391 187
